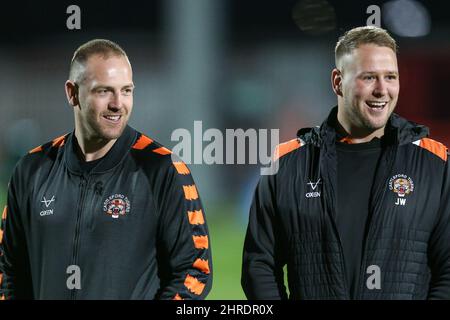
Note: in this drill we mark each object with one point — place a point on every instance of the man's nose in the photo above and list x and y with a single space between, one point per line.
380 89
116 102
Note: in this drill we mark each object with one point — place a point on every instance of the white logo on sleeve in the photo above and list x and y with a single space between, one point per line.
47 203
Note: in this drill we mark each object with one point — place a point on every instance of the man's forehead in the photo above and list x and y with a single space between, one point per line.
107 67
370 56
105 62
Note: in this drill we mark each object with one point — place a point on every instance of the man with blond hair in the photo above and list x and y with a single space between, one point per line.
360 206
103 212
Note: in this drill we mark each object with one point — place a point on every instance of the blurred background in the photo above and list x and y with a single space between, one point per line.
231 64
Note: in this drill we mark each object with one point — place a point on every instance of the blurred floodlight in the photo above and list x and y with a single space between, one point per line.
406 18
314 17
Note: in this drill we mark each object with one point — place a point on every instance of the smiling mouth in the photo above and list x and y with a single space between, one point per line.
112 118
376 105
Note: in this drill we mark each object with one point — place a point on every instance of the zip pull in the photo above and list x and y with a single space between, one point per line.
83 181
98 188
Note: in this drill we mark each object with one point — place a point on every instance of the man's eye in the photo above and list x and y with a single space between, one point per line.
128 91
392 77
102 91
369 77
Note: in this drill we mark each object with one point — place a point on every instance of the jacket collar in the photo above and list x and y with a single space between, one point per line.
114 156
398 131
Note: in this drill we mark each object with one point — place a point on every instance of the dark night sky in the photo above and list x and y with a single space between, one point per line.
21 21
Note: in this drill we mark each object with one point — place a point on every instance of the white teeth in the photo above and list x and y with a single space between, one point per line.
113 118
376 104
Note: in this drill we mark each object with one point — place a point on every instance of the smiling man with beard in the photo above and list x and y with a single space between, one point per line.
104 212
360 206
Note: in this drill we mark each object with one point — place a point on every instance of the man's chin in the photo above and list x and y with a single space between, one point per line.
111 134
375 125
375 122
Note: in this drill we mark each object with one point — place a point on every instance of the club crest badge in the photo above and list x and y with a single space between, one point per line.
116 205
403 186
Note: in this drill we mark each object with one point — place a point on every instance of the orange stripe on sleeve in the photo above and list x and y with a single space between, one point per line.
162 151
434 147
1 278
286 147
200 242
5 212
202 265
196 217
181 167
177 297
58 142
142 142
190 192
37 149
2 297
1 236
194 285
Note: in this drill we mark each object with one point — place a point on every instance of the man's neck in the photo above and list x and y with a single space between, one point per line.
357 135
93 148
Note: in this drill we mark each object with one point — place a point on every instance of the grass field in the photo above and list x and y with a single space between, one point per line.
227 239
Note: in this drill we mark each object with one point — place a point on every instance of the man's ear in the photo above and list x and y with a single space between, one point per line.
72 93
336 81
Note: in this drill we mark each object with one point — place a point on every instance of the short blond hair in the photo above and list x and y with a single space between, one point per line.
355 37
102 47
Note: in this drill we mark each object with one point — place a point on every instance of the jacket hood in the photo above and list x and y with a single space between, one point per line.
398 131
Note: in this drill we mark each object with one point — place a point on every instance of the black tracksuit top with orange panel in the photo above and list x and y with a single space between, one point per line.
134 225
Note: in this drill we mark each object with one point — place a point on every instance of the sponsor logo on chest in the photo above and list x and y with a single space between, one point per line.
403 186
116 205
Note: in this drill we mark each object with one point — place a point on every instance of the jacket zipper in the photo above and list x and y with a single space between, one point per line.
83 191
332 209
341 254
390 154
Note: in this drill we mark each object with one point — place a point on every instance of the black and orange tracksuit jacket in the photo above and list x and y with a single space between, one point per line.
292 221
134 225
